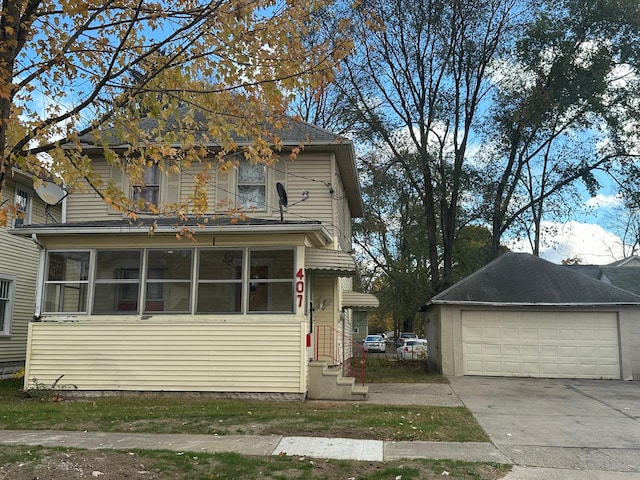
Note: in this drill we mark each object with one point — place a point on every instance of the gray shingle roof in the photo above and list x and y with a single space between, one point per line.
524 279
627 278
292 132
623 273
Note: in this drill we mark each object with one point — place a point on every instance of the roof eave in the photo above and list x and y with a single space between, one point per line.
527 304
319 232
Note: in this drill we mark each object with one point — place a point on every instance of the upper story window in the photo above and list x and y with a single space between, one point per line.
23 206
149 189
7 285
252 186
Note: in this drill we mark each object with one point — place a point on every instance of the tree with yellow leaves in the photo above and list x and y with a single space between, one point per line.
94 69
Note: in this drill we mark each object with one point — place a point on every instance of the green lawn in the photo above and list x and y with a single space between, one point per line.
28 463
168 413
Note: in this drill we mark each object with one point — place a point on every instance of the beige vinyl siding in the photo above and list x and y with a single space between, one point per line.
312 172
84 204
188 183
20 259
258 356
341 212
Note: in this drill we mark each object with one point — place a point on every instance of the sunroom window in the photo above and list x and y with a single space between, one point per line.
168 286
117 284
151 281
67 282
220 281
271 281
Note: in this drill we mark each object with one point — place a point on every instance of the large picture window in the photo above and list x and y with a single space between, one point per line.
133 282
67 282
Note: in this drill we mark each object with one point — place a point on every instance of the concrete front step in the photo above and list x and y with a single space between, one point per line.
327 383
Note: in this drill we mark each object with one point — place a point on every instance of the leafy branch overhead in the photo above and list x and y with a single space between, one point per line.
69 69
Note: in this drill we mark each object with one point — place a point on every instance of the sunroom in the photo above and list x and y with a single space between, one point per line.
183 281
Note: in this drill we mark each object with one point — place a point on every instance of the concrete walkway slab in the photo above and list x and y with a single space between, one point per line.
463 451
434 394
527 473
335 448
243 444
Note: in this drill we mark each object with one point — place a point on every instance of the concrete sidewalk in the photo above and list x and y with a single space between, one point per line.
319 447
547 429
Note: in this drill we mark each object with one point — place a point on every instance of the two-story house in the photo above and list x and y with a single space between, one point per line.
19 267
244 309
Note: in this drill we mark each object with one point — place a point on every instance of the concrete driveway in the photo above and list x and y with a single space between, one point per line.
561 424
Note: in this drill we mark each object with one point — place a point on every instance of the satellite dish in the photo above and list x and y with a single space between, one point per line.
50 193
282 193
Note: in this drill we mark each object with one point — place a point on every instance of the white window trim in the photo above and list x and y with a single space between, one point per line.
6 330
264 184
29 194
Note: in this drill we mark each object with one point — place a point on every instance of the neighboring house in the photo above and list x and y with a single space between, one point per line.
18 269
361 304
525 317
623 273
242 310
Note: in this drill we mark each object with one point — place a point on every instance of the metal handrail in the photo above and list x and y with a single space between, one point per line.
339 349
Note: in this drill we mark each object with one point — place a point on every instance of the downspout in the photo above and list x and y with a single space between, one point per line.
63 218
40 281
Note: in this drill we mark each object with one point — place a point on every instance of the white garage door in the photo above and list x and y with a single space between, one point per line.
536 344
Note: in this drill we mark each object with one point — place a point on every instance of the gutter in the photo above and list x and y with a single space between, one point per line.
69 229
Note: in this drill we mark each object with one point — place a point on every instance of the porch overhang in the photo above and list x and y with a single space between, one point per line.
315 231
329 262
359 300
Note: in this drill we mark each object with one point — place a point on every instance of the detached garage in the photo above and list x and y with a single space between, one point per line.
521 316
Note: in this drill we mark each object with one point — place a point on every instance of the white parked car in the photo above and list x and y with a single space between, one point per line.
413 349
374 343
406 336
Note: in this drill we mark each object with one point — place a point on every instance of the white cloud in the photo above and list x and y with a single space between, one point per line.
591 243
604 201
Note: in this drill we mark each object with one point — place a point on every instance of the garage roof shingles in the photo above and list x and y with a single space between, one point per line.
524 279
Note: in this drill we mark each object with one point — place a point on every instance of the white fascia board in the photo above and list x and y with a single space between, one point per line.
320 233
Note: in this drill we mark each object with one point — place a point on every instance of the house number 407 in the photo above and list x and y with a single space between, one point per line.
300 287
